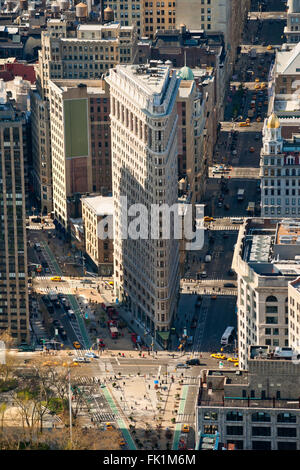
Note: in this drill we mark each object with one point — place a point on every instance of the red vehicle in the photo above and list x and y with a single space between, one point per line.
133 337
113 313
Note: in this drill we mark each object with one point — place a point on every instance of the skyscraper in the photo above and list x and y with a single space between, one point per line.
14 304
144 162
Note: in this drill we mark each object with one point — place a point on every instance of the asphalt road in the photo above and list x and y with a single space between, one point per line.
213 316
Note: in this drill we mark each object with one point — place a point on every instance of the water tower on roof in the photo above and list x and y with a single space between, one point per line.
108 15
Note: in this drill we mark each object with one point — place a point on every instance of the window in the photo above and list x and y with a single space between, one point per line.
286 432
287 445
261 417
234 416
261 445
271 298
261 431
271 320
271 309
286 418
234 430
238 445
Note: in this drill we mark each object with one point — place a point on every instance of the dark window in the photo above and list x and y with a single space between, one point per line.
287 445
261 417
234 416
286 418
261 431
234 430
261 445
286 432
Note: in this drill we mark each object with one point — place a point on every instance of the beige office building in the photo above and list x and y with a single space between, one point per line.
294 313
265 262
83 52
95 211
81 164
144 162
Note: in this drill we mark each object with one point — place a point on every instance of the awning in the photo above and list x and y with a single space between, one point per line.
164 335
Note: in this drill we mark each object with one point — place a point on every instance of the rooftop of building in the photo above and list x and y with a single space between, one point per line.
287 61
296 283
152 77
188 38
106 26
243 388
271 247
92 86
100 205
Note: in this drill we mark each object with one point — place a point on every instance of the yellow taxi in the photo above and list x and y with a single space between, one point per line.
109 426
56 278
257 80
248 120
218 356
257 86
232 359
111 283
207 218
185 428
122 442
236 364
269 48
76 345
262 86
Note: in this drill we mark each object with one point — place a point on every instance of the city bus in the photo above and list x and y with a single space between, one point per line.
228 336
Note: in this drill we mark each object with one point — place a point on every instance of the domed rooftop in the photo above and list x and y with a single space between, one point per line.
185 73
273 122
108 10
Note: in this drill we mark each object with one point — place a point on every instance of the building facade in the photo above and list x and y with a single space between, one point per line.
257 409
292 28
279 171
95 210
127 13
80 144
83 52
14 303
144 160
294 314
264 260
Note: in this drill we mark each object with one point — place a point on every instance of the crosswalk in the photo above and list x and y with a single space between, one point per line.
62 290
185 417
199 290
226 228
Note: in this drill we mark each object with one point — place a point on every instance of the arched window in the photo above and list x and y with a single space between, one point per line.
271 298
261 417
286 418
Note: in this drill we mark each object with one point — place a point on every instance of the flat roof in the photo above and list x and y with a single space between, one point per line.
99 204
